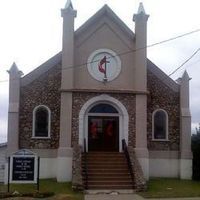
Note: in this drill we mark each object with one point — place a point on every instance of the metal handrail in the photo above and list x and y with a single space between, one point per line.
85 165
130 167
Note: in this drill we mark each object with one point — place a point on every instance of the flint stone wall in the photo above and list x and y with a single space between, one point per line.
162 97
42 91
139 180
77 178
45 91
80 98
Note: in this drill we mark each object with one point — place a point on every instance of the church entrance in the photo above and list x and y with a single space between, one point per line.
103 128
103 133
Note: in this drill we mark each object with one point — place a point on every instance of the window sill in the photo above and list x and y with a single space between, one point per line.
45 138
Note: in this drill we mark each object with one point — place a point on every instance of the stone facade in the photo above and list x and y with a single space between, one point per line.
162 97
80 98
139 180
77 178
42 91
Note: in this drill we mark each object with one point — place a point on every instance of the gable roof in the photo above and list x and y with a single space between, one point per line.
52 62
105 11
162 76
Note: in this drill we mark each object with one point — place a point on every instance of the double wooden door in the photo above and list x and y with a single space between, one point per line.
103 133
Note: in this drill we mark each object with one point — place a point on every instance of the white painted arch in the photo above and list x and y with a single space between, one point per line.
122 113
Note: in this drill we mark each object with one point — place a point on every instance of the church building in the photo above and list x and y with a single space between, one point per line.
100 113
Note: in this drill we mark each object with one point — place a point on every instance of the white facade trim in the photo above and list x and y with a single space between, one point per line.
166 134
49 122
122 113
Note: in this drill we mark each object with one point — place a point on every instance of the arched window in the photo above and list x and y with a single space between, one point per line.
160 125
103 108
41 122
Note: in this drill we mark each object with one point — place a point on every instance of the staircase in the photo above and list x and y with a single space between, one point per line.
106 170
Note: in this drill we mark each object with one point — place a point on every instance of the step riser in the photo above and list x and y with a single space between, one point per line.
109 183
107 167
99 163
116 179
108 175
107 171
119 187
107 157
104 160
113 161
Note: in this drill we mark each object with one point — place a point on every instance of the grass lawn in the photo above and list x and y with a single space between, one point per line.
168 187
48 185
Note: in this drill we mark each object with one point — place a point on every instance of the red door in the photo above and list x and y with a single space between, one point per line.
103 133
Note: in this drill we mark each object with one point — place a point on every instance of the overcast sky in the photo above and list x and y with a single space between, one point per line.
31 32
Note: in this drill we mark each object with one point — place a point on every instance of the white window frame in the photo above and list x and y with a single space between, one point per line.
167 133
49 122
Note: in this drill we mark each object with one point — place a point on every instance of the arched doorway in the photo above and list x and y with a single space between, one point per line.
118 110
103 128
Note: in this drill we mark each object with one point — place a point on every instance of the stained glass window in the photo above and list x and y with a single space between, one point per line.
160 125
103 108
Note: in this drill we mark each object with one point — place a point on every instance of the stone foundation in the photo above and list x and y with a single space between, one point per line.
139 180
77 178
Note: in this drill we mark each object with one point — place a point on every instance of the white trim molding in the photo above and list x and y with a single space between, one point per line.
49 122
166 122
122 113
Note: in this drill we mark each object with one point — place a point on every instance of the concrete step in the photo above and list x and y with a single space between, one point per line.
107 170
110 187
100 174
109 178
108 166
110 192
110 182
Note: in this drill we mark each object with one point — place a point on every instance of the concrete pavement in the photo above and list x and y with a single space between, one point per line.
113 197
116 196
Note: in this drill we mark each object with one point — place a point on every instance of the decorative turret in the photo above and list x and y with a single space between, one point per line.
69 4
185 102
140 20
68 14
14 70
141 86
185 145
13 110
67 83
141 9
